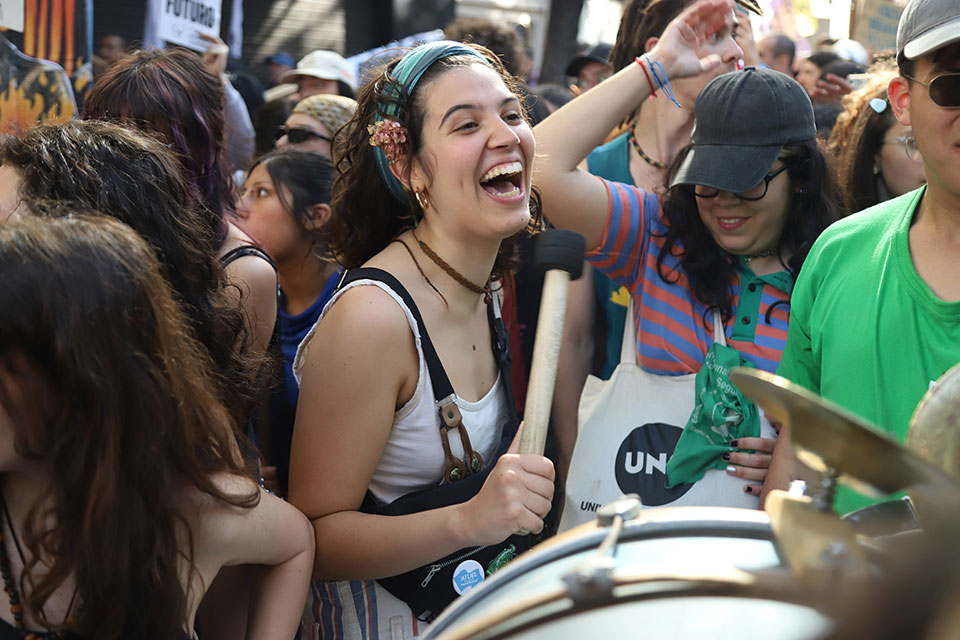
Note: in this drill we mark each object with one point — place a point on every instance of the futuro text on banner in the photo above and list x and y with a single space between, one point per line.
182 21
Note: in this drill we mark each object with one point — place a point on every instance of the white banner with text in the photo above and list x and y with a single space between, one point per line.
182 21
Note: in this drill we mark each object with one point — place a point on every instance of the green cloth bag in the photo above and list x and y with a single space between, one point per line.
722 414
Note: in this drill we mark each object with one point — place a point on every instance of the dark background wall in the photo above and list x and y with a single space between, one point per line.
298 26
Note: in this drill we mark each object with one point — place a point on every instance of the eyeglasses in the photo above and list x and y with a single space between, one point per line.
750 195
944 90
296 135
909 145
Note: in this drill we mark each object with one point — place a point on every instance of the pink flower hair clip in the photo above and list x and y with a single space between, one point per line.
390 136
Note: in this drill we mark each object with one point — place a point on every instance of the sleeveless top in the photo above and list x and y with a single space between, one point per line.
413 456
412 460
243 251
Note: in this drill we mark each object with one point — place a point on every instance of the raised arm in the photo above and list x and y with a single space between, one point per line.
573 199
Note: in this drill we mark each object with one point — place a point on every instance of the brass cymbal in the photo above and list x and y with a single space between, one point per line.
815 544
830 437
935 426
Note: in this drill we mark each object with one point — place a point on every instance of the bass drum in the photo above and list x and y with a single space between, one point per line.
673 573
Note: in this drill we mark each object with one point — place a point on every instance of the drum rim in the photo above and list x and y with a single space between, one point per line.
504 623
665 522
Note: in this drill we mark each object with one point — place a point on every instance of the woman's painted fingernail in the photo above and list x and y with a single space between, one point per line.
725 456
748 488
731 469
734 443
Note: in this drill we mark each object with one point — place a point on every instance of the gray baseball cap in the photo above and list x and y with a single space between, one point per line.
744 118
927 25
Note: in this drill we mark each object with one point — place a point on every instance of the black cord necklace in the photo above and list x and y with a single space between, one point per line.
10 585
766 253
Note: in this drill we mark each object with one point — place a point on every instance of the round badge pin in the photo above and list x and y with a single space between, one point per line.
466 576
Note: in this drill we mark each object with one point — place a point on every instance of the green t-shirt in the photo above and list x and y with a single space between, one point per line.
865 331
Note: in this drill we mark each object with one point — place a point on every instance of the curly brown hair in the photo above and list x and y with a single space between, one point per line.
500 38
856 140
126 175
113 396
366 217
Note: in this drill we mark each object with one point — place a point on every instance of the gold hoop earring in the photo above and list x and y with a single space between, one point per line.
422 199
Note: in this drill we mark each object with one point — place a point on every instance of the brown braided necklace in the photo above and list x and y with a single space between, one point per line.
485 290
632 137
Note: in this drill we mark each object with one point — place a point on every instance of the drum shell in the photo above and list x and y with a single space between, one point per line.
671 552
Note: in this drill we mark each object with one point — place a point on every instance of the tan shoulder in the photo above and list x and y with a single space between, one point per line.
231 485
364 333
261 529
254 271
369 313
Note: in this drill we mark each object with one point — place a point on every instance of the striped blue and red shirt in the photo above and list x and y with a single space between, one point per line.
674 332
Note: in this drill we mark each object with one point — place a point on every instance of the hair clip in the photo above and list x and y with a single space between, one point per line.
390 136
878 104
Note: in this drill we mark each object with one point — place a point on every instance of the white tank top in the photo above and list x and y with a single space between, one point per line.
413 456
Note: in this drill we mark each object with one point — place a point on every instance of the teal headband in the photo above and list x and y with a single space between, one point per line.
408 73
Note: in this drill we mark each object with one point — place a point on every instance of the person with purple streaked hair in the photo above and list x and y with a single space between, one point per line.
172 96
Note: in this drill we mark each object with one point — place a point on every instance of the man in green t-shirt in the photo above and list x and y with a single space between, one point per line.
875 314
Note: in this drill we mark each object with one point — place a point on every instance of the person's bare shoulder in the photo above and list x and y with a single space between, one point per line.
364 319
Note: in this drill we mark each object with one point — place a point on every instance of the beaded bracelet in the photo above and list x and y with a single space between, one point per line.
639 61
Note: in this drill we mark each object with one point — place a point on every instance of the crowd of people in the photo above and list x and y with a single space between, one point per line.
262 368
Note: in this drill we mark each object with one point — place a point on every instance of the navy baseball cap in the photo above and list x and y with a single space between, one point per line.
744 118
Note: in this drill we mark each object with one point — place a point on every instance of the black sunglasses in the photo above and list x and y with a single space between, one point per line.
944 90
750 195
296 135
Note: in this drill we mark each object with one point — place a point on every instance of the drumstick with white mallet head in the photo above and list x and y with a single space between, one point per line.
559 253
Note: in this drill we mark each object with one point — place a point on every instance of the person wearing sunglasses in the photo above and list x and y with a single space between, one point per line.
722 241
876 310
313 123
873 155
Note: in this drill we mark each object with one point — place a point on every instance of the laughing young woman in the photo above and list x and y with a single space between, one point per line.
435 178
722 247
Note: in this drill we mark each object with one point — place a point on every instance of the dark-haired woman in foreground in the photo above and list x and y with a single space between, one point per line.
124 174
121 492
745 202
